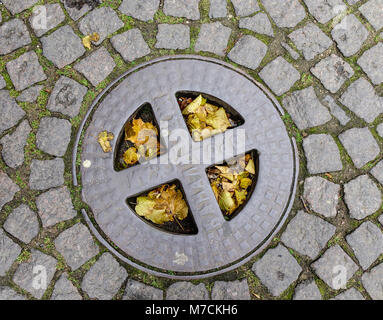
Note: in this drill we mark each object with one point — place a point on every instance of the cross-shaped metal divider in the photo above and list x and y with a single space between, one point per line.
218 243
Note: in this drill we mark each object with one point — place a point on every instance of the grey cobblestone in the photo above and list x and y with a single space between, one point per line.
311 40
367 243
325 10
279 75
379 129
377 172
187 291
8 189
67 97
97 66
182 8
245 7
322 196
336 110
322 154
62 47
373 11
175 36
18 6
13 35
360 145
14 144
350 35
362 197
277 270
26 272
53 135
362 99
103 20
213 37
76 245
259 23
286 14
218 9
25 71
248 44
333 72
372 63
131 45
55 206
9 251
141 10
9 294
295 55
54 16
333 258
22 223
305 109
31 94
104 278
46 174
138 291
373 282
307 234
74 13
3 84
231 290
65 290
307 290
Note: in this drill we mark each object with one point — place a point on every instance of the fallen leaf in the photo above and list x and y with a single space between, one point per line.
163 204
104 139
131 156
245 183
218 120
250 166
87 40
226 202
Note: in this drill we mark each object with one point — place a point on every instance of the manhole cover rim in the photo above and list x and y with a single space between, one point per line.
283 215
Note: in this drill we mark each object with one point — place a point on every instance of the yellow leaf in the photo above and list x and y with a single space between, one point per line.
162 205
240 196
103 139
250 166
145 208
192 107
218 120
139 132
226 202
131 156
245 183
210 108
87 40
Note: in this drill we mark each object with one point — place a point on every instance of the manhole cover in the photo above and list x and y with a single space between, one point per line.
216 245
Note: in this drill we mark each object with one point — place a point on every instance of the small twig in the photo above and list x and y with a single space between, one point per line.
305 204
179 223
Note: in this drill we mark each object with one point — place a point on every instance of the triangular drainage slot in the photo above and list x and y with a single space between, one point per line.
145 114
210 122
144 209
230 184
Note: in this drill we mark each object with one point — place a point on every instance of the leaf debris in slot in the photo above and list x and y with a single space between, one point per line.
231 182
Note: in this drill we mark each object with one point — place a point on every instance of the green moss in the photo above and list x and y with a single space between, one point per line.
24 256
160 17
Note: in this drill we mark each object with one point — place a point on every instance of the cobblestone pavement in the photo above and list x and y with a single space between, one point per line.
323 60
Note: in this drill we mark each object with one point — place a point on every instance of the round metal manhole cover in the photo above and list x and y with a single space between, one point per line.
219 244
